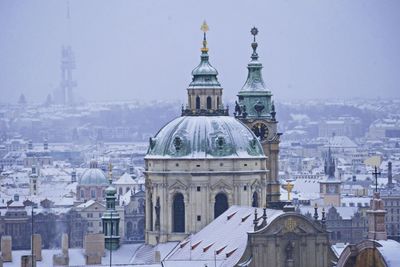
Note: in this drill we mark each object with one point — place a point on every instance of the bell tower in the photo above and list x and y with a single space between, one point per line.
256 109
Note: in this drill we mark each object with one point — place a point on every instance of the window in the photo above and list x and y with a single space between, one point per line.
221 164
120 191
198 189
217 102
254 203
245 188
178 217
82 193
198 165
197 102
198 218
177 164
208 102
93 194
245 164
221 204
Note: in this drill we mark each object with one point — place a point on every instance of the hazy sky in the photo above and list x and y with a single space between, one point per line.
143 49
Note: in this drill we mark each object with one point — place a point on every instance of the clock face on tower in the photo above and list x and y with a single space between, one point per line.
260 130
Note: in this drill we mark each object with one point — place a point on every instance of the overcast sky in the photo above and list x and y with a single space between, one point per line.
143 49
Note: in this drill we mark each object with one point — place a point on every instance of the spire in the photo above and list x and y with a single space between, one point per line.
204 75
329 164
205 91
254 80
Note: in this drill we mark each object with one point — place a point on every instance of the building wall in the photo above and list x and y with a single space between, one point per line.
199 181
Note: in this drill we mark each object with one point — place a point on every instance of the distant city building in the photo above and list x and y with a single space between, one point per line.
92 184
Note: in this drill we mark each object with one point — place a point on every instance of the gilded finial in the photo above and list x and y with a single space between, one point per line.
204 28
289 188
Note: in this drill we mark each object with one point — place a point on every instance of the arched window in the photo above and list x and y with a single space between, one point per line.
197 102
217 102
120 190
93 193
254 203
208 102
178 214
221 204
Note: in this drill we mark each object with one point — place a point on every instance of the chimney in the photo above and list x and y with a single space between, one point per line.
390 175
62 259
157 256
64 244
37 246
94 248
6 245
26 261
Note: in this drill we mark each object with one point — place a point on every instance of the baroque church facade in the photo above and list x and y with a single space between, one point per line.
202 163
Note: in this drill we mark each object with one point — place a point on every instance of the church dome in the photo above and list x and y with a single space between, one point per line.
204 75
205 137
93 176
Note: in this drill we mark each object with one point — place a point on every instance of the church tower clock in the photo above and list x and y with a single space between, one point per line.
255 109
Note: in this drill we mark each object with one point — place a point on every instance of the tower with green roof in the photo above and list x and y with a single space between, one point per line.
256 109
111 219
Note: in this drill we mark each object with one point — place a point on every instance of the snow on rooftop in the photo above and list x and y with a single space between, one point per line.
227 234
390 251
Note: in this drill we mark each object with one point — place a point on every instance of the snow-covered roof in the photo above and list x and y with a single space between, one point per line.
227 233
125 179
121 257
390 251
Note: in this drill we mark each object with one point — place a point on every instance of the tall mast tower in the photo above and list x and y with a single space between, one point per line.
67 65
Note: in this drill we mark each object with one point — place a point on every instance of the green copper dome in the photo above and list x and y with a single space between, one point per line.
204 137
204 75
93 176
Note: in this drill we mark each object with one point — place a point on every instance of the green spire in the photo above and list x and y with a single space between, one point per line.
204 75
111 218
254 97
254 80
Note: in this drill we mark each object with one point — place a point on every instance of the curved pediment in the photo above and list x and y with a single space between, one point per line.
290 223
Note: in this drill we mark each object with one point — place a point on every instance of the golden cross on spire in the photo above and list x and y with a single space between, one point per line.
204 28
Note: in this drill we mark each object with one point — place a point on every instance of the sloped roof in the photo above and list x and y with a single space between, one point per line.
227 235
